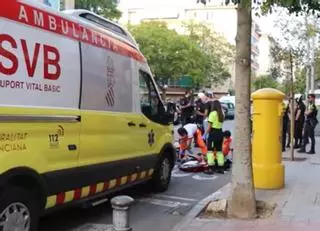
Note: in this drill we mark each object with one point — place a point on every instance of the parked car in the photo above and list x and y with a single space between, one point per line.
225 109
230 109
229 98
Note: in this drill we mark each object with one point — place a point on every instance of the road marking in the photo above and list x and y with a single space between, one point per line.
197 177
164 203
173 197
175 173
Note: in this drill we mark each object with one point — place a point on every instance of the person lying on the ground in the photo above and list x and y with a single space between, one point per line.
187 133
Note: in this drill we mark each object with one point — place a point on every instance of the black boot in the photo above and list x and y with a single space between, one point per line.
209 170
220 170
296 145
312 150
302 150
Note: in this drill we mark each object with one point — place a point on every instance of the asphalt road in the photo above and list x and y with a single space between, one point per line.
156 212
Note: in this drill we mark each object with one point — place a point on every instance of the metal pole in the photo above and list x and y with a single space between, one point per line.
292 119
120 216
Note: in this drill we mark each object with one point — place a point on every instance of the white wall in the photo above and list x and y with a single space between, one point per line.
264 58
69 4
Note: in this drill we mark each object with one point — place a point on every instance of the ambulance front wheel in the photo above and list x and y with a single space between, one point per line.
162 175
18 210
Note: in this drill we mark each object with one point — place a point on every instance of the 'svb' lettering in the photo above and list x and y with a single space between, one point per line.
9 47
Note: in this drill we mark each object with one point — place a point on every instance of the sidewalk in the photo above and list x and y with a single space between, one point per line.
298 204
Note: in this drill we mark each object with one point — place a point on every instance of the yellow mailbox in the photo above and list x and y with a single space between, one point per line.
268 170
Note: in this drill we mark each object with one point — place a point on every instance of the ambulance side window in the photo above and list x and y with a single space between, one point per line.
150 103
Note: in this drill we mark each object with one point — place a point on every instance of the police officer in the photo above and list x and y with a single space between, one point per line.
299 122
285 127
187 107
310 124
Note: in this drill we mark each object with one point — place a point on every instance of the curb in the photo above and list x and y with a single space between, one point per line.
219 194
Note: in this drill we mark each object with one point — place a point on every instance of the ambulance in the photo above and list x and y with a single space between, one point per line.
80 114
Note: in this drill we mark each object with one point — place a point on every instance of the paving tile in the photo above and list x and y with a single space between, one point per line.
298 204
314 226
264 222
196 223
211 227
238 225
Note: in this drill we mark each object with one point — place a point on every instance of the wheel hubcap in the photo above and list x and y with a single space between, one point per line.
165 166
16 217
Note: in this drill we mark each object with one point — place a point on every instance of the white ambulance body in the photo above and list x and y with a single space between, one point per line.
80 114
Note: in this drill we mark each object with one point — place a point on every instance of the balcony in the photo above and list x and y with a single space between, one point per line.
255 50
182 82
254 66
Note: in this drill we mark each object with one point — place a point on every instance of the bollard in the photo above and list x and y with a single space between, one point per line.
268 170
120 216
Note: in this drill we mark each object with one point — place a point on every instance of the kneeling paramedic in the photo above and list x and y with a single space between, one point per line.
187 133
215 139
227 150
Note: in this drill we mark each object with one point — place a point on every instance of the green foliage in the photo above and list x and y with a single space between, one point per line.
294 6
105 8
317 65
300 81
171 55
266 6
265 81
220 52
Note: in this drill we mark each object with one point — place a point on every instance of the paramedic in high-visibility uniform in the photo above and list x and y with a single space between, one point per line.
187 133
215 139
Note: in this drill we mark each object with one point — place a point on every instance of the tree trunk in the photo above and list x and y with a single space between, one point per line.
292 110
242 203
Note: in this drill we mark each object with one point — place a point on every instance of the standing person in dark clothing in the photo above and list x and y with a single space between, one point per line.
289 124
309 125
299 121
171 109
187 107
201 110
285 126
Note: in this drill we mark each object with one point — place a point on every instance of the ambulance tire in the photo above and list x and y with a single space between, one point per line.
13 195
162 175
